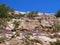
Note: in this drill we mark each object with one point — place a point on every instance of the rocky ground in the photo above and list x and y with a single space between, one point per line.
38 30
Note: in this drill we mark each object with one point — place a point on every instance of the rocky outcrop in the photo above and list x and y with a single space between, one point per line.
32 24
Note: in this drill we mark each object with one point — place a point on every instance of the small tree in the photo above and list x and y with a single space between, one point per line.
4 10
58 13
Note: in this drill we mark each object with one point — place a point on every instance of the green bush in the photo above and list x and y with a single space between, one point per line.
57 26
58 13
32 14
16 25
55 43
18 16
58 42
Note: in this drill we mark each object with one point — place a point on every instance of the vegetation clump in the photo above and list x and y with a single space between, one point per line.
58 13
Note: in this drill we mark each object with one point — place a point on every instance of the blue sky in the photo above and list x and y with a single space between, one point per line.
48 6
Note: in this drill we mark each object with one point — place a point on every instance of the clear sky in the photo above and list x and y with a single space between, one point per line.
48 6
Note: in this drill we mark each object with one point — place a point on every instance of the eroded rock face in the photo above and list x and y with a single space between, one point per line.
47 23
31 24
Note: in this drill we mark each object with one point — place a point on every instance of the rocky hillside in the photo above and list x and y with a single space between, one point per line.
41 23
